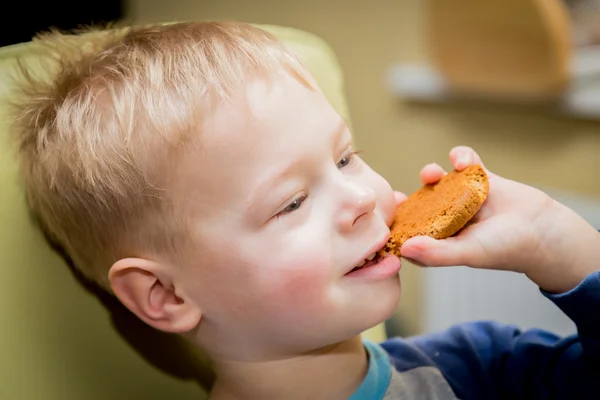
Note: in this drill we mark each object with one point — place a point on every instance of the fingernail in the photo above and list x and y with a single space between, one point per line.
464 160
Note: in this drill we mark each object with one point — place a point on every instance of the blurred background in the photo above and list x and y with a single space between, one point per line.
415 88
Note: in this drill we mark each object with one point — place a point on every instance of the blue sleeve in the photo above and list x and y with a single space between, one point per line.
487 360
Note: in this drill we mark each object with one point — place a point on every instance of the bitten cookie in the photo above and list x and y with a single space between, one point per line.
440 210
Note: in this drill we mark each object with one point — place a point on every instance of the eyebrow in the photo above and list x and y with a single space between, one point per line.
273 179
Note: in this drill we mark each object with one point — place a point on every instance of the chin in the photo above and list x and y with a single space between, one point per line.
380 307
390 299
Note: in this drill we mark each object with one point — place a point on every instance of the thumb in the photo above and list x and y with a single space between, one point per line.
399 197
453 251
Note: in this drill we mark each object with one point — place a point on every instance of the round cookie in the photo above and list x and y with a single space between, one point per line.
440 210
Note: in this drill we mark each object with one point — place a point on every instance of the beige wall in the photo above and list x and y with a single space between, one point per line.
398 138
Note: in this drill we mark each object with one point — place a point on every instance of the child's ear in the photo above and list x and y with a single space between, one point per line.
146 289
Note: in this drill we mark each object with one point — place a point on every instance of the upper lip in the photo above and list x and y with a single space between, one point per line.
373 249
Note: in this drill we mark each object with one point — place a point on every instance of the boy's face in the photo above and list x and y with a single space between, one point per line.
281 211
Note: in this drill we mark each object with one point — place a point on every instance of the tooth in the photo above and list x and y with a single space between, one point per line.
372 256
360 264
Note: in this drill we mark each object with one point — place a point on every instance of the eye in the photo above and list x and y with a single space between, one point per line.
293 206
347 159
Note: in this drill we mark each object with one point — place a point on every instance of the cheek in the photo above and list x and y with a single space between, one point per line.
253 281
300 285
296 290
303 276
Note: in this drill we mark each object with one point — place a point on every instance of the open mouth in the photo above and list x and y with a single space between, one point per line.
367 262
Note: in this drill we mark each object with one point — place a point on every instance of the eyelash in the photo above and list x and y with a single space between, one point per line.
297 203
290 208
351 158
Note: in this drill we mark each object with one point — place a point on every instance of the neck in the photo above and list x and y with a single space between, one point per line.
334 372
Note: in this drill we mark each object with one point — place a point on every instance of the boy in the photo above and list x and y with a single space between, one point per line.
196 171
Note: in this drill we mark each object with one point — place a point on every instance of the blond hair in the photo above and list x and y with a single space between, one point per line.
97 140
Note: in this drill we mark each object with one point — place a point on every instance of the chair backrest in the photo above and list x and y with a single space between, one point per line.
62 340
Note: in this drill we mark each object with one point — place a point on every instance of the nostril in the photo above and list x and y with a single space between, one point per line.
358 218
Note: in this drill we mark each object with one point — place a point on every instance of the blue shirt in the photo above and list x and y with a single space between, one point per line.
488 360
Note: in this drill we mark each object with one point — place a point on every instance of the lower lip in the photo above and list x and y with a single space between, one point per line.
386 267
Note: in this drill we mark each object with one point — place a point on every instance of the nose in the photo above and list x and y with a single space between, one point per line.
358 202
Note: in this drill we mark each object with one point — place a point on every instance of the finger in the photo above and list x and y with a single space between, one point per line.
431 173
453 251
463 156
400 197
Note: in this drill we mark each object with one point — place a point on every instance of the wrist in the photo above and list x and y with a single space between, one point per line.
568 251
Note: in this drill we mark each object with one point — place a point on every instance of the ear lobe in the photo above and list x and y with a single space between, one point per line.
146 289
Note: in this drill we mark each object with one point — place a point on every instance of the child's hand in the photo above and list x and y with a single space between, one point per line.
518 228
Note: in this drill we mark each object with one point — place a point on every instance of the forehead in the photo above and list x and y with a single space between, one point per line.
282 110
276 120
